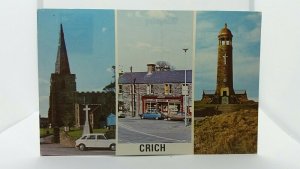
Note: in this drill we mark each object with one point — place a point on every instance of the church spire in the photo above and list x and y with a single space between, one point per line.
62 62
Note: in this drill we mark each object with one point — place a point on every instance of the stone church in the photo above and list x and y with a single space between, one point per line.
65 102
224 92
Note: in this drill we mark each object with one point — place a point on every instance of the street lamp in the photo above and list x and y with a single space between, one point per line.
184 92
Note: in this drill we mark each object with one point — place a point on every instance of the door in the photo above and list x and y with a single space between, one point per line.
102 141
90 141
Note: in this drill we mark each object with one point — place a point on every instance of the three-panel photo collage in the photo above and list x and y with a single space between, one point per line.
148 82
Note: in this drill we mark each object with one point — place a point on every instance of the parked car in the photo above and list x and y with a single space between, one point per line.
178 116
151 115
121 115
95 140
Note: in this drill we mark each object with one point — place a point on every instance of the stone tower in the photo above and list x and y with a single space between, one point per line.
224 93
62 88
224 87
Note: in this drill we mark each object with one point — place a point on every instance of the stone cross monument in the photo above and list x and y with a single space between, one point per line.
86 128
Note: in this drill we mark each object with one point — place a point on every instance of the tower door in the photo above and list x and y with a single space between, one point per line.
224 93
225 100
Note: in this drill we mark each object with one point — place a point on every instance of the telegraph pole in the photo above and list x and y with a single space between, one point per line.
185 91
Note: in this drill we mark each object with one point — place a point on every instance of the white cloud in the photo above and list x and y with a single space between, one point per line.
104 29
253 17
143 45
253 35
158 35
138 14
204 25
161 15
109 69
43 81
245 66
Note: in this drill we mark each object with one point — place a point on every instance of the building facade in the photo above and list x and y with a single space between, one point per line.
167 91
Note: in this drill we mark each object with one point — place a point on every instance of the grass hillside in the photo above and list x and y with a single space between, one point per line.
234 132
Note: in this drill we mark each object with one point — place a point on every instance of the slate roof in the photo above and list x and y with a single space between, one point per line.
156 77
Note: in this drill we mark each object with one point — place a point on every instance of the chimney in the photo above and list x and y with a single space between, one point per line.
150 68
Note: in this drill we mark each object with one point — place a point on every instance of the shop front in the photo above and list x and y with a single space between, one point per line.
166 105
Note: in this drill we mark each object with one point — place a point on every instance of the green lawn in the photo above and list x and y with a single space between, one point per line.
74 133
43 132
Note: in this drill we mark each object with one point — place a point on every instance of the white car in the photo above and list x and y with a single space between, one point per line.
95 140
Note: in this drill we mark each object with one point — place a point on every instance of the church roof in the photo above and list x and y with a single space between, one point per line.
62 62
225 31
156 77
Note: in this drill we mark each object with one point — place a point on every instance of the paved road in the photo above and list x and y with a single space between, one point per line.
152 131
59 150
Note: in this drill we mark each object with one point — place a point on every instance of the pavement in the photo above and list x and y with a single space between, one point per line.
59 150
136 130
50 149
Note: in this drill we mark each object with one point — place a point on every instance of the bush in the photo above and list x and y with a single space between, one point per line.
111 134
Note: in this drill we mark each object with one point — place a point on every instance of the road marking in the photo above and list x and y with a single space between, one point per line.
152 135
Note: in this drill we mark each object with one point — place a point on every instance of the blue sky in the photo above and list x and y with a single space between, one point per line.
150 36
245 27
90 42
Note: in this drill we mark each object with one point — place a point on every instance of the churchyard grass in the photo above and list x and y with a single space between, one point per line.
45 132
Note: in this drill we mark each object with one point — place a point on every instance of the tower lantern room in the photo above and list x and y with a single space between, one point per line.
225 36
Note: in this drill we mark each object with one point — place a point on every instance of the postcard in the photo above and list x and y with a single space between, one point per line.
226 82
154 82
76 61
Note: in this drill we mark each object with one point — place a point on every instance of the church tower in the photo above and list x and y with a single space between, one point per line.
224 87
62 88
